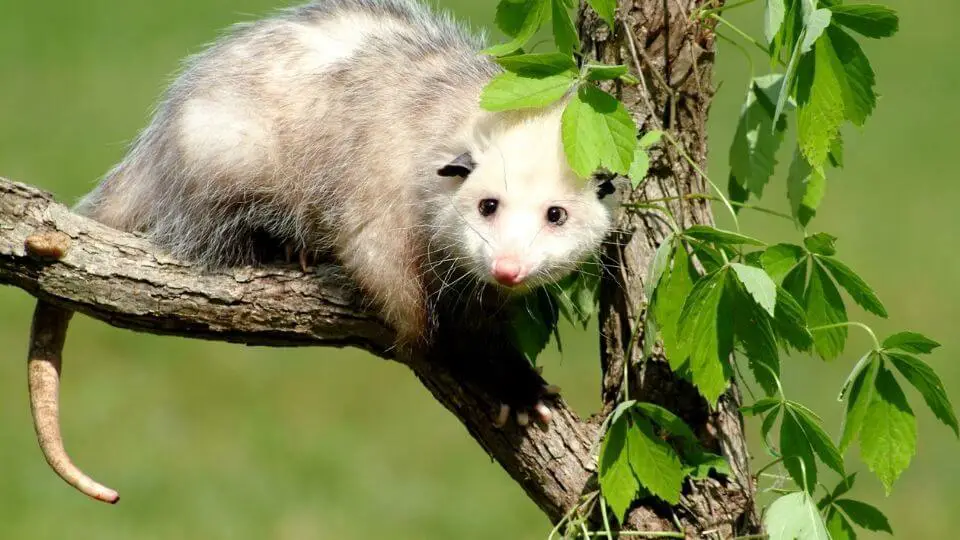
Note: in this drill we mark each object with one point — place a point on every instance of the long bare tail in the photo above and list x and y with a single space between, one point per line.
47 336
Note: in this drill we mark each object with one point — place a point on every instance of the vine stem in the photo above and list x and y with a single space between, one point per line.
685 156
750 39
867 329
767 467
643 534
728 7
694 196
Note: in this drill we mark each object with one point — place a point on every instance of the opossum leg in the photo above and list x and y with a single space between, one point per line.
47 336
384 267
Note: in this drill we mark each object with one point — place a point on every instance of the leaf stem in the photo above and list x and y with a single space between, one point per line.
728 7
606 521
742 34
694 196
867 329
684 155
643 534
767 467
663 209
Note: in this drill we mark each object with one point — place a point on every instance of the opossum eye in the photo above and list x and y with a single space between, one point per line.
556 215
461 166
488 207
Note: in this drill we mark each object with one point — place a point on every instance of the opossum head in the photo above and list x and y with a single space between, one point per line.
513 212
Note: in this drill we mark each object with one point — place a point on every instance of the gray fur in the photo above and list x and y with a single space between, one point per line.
251 139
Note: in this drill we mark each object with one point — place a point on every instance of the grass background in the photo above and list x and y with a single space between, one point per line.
208 440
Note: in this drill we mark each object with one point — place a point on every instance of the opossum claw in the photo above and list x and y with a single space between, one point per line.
544 414
303 260
502 416
47 336
523 418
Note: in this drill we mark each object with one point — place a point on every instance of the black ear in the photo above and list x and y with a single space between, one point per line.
606 188
461 165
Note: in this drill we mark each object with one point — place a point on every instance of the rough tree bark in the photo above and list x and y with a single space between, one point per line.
123 280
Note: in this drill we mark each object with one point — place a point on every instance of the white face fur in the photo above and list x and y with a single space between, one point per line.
515 213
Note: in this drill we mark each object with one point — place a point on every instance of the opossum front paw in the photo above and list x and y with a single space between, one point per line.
540 411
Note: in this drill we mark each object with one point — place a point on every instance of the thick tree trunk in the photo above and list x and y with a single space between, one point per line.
125 281
673 54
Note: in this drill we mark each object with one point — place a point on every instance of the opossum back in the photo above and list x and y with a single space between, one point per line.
287 125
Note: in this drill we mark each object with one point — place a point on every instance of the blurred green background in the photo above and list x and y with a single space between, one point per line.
208 440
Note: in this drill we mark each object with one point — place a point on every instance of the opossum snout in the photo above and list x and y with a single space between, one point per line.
509 272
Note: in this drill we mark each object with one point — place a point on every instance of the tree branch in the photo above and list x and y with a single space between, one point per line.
123 280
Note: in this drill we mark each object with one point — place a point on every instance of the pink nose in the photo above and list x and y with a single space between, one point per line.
508 272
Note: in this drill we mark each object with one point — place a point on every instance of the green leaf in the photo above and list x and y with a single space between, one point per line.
859 98
754 330
821 81
797 452
888 438
671 294
795 282
532 65
619 411
928 383
824 308
531 323
794 517
787 38
520 20
601 72
654 462
858 402
607 9
717 236
805 188
780 259
757 139
844 486
818 439
836 152
791 323
814 24
576 295
564 30
639 168
512 14
704 462
650 138
598 132
659 265
509 91
617 481
821 243
858 289
760 286
774 14
911 342
870 20
838 526
767 425
670 422
708 330
865 515
761 406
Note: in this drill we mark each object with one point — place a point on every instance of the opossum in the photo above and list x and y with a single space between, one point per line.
353 128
